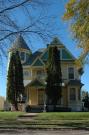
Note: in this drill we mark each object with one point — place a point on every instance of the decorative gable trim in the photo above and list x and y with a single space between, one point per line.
44 52
37 64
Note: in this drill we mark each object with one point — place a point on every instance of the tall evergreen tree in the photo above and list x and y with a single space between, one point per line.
54 77
15 86
19 74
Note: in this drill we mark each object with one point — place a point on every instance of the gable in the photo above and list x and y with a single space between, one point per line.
38 62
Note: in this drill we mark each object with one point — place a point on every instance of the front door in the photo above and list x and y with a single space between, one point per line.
40 96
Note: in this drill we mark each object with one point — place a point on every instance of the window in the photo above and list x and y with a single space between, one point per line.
40 74
22 56
26 74
72 94
71 72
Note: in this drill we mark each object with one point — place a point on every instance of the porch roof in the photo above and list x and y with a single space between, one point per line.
36 83
75 82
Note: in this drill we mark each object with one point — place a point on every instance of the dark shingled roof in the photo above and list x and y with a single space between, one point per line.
20 43
75 82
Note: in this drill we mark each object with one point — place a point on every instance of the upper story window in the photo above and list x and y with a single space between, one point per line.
26 74
40 74
72 94
22 56
71 73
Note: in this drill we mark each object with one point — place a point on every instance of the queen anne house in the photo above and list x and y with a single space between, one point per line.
35 74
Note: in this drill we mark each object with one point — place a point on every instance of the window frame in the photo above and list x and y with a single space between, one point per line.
71 96
70 78
22 60
26 74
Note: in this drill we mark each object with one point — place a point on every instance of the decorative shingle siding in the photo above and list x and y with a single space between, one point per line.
38 63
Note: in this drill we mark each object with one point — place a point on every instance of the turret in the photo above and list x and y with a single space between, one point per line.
23 49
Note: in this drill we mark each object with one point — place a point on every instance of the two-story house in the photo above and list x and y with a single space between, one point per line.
35 74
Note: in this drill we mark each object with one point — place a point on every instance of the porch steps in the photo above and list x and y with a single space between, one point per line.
34 109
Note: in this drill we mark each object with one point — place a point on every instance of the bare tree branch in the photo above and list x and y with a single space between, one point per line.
14 6
27 17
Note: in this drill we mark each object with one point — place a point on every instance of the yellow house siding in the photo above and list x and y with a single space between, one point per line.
34 72
64 72
64 68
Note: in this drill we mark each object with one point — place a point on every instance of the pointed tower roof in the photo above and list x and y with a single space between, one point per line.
56 42
20 43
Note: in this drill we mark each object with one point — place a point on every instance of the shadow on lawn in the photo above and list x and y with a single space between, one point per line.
78 125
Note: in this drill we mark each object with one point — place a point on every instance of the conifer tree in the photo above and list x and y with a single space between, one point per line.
54 77
11 81
19 74
15 86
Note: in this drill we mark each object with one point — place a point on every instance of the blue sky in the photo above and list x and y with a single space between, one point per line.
62 31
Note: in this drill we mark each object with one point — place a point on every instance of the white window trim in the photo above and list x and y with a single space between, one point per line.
68 72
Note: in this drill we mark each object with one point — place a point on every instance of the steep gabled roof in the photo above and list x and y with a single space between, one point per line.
20 43
65 54
75 83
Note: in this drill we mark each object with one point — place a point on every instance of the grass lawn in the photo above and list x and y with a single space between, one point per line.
64 119
46 120
64 116
9 115
9 119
